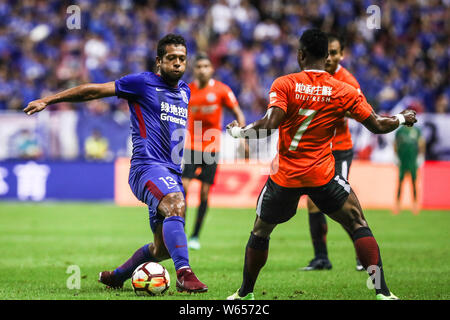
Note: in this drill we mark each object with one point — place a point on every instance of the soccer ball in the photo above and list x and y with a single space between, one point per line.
150 278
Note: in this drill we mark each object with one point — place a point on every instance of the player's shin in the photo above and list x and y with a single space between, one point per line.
176 241
201 212
369 255
318 228
141 255
256 253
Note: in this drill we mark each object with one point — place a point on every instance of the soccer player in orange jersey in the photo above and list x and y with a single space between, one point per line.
208 97
305 107
342 148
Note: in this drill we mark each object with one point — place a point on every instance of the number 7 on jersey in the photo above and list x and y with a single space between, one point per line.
301 130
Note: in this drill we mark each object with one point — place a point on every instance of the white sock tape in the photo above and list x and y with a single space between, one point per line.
401 118
236 132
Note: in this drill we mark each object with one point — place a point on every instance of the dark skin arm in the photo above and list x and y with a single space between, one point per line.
274 116
380 124
84 92
271 121
240 118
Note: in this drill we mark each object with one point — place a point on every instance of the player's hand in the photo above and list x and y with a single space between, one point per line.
410 117
232 124
234 130
35 106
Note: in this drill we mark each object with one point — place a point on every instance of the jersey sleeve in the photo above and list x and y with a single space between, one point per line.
130 86
278 95
357 105
190 86
189 93
228 98
187 89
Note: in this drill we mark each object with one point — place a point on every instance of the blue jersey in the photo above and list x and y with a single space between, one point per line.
158 118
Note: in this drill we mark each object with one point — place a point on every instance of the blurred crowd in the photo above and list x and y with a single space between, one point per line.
250 43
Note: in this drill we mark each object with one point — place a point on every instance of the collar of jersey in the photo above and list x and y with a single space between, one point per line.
211 83
314 70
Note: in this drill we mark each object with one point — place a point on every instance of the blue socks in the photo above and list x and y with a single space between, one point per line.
141 255
176 241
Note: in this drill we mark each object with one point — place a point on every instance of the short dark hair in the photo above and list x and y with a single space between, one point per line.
167 40
201 56
335 37
315 43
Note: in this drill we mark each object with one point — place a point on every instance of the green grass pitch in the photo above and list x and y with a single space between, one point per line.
39 241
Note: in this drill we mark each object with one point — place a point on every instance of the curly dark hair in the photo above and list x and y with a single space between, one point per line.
167 40
315 43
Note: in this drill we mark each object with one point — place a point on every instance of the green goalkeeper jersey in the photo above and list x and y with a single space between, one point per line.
407 140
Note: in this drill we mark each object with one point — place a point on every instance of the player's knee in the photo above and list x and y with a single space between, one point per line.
356 224
186 182
173 204
312 208
355 219
262 229
350 216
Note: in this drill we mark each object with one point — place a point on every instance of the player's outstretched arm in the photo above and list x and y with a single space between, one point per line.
260 128
381 124
84 92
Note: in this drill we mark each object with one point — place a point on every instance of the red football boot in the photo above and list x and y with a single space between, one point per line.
108 279
188 282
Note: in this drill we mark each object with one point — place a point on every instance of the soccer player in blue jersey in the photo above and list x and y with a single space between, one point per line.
158 104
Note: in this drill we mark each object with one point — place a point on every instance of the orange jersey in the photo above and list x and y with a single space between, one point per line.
343 139
205 113
314 103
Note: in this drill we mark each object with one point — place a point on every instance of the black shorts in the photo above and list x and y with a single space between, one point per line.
200 165
277 204
343 161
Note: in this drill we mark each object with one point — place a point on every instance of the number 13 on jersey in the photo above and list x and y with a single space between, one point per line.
301 130
169 182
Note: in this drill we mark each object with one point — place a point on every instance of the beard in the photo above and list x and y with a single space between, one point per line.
170 76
